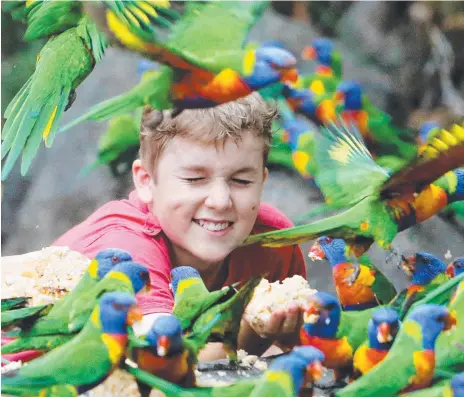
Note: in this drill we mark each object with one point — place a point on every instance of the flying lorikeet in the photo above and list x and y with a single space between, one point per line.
453 387
359 285
456 267
427 272
337 334
381 332
376 206
103 262
127 277
285 377
84 362
199 73
410 364
62 65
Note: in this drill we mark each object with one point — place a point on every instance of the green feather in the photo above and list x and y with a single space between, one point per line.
14 303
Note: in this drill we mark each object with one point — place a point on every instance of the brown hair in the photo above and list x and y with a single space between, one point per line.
215 124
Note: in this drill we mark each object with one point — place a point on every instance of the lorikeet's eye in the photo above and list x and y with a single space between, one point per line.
328 240
117 306
144 276
115 259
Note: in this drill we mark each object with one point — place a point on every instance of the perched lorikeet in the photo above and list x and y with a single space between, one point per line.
127 277
337 334
84 362
410 364
375 126
199 72
453 387
427 272
285 377
34 113
359 285
103 262
381 332
456 267
376 205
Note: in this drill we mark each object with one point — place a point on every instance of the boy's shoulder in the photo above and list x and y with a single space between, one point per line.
270 218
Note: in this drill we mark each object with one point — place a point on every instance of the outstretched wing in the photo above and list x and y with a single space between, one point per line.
346 170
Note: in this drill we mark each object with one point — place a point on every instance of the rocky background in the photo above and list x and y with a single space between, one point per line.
408 56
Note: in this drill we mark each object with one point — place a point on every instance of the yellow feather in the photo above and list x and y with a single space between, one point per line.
340 152
281 378
131 17
48 127
119 276
115 350
95 317
317 87
448 138
93 268
159 3
458 132
183 284
439 144
413 329
122 32
249 62
452 179
139 14
300 160
148 9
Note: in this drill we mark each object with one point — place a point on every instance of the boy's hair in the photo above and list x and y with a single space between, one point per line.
215 124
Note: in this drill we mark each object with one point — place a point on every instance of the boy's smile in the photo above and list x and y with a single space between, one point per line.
206 196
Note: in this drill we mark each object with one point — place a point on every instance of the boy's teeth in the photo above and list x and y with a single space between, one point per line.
212 226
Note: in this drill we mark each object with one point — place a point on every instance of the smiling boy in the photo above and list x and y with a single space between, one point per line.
198 186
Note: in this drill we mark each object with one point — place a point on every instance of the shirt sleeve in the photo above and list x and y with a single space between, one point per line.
144 250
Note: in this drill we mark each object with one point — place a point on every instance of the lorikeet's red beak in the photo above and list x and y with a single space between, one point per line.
134 315
163 343
311 314
450 321
409 265
315 371
308 53
450 270
289 75
316 252
339 97
384 335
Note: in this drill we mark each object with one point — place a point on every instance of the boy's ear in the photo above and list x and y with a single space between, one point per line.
266 174
142 181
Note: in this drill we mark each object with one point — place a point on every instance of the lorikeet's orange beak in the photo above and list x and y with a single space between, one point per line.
134 315
316 252
315 371
311 314
339 97
289 75
163 344
450 270
309 53
409 265
383 333
450 321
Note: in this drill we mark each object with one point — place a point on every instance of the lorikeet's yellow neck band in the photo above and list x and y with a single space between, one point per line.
93 268
119 276
115 347
249 62
281 378
95 317
187 283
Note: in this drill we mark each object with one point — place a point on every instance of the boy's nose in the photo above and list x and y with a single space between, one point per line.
219 197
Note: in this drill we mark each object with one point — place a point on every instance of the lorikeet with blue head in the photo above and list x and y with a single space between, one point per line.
456 267
337 334
427 272
198 72
382 330
129 277
453 387
375 205
285 377
64 62
410 364
359 284
103 262
84 362
375 126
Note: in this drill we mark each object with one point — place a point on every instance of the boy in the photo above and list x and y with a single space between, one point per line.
198 186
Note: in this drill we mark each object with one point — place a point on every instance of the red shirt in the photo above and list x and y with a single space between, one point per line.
129 225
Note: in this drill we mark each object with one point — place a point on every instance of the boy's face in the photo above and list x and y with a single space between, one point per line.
206 196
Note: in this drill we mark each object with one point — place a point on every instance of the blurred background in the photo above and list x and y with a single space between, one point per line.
408 56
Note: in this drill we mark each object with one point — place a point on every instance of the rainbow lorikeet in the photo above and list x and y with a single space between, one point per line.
359 285
376 206
127 277
103 262
337 334
62 65
198 72
427 272
84 362
381 332
285 377
453 387
410 364
456 267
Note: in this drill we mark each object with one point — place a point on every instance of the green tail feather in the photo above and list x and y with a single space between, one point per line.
14 303
25 316
43 343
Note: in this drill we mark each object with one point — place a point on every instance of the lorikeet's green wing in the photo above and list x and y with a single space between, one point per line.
34 113
396 368
274 384
25 316
442 294
353 326
347 173
14 303
438 390
42 342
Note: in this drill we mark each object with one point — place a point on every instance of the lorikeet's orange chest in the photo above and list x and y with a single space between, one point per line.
357 293
223 87
338 352
429 202
424 363
361 120
367 358
172 369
